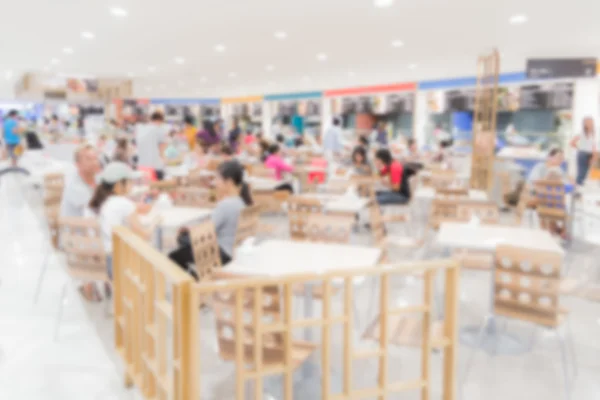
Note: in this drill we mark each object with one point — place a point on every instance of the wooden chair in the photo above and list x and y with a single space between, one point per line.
452 193
193 197
205 247
247 224
527 288
299 211
167 186
272 334
53 192
328 228
550 205
82 243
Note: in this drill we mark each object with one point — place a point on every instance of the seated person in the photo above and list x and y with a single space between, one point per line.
227 152
275 162
393 170
197 158
234 195
554 159
111 204
411 153
360 162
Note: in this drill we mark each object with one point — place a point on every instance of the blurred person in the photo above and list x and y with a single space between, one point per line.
380 134
276 162
209 134
235 135
12 135
151 140
554 160
393 171
332 140
122 152
189 130
360 161
585 144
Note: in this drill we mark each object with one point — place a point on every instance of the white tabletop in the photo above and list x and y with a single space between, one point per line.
428 193
178 171
488 237
337 203
176 217
260 183
283 257
521 153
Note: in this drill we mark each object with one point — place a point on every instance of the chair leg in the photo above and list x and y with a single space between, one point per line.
478 343
60 310
563 353
356 316
41 276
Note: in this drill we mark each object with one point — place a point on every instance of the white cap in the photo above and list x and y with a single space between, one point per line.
117 171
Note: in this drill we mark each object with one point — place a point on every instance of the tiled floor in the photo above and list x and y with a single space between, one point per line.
82 365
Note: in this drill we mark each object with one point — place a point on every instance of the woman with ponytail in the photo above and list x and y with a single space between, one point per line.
234 195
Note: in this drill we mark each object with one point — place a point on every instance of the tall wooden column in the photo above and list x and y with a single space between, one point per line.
484 122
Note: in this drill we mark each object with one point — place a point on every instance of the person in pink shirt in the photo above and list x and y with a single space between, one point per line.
275 162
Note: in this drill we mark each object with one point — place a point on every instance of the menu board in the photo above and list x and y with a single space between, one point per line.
400 103
312 108
240 109
460 100
365 104
548 96
349 105
287 108
561 68
211 111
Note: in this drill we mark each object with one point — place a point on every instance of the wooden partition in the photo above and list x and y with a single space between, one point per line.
151 301
172 349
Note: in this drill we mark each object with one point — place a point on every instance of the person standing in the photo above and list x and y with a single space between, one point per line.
12 137
585 144
332 141
151 141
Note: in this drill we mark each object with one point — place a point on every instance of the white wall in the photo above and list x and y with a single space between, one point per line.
585 104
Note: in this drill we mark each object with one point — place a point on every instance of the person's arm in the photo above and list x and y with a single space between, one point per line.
574 141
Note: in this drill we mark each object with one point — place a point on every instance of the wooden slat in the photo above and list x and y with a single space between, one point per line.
451 333
239 335
258 342
325 341
383 334
348 336
288 389
428 292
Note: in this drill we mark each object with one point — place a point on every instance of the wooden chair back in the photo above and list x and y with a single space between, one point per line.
81 241
213 164
300 209
54 183
365 186
550 203
452 193
261 171
306 185
205 248
485 211
193 197
329 228
337 186
247 224
227 321
167 186
527 285
53 191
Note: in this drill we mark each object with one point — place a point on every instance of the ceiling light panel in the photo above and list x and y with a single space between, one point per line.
220 48
87 35
518 19
383 3
281 35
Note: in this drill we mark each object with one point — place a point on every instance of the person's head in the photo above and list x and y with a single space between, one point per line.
13 114
412 145
189 120
555 157
122 144
115 180
280 138
383 159
230 181
226 151
157 117
336 122
588 126
363 141
381 125
359 156
86 161
55 118
274 149
209 126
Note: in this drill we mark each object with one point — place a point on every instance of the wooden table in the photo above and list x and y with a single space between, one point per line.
339 204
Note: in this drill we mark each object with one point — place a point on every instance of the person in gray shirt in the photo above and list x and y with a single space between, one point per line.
80 186
235 196
151 140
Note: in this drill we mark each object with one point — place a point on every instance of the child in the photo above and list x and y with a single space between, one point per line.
111 204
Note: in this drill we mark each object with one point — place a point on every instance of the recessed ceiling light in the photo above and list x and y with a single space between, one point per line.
220 48
131 74
518 19
87 35
8 74
281 35
397 43
412 66
179 60
68 50
204 79
152 68
148 88
232 75
351 74
270 67
322 57
383 3
118 12
55 61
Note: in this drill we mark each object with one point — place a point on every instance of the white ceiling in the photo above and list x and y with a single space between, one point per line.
443 37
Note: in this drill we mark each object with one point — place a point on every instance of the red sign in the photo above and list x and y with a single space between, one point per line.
399 87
